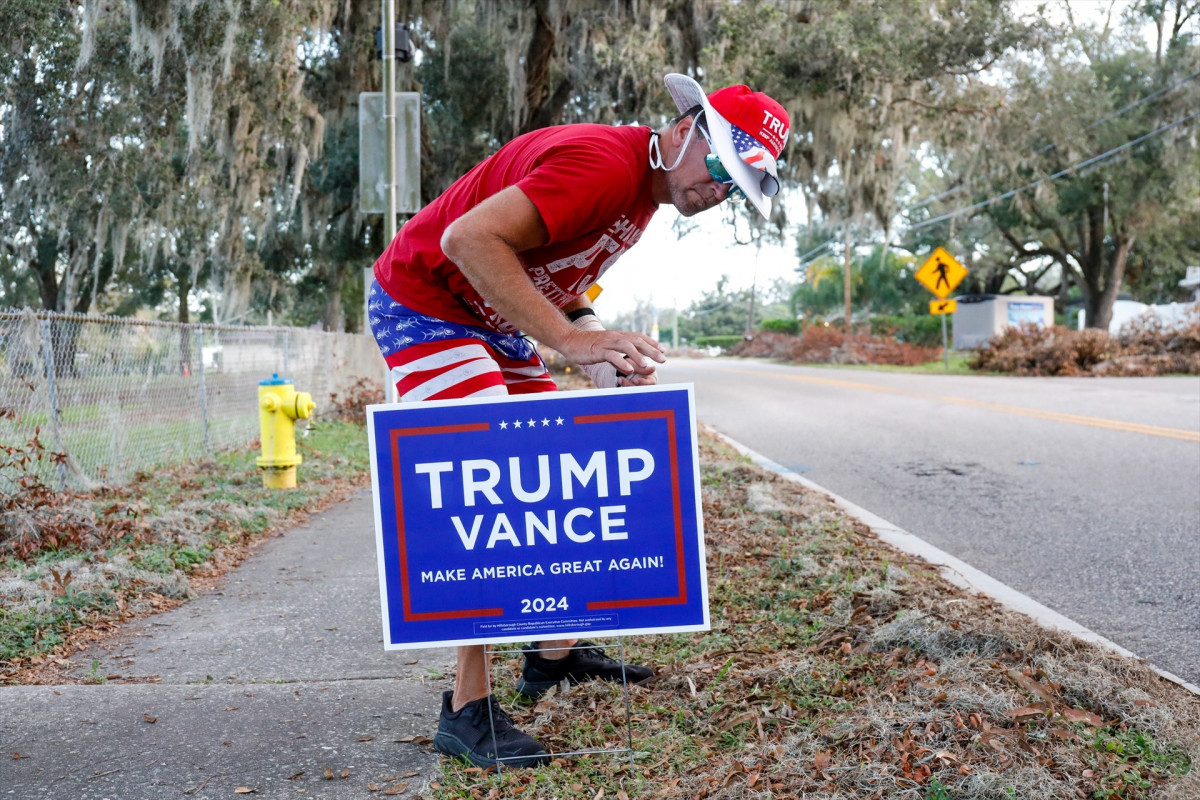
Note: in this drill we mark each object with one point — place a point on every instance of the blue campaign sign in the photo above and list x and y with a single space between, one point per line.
553 515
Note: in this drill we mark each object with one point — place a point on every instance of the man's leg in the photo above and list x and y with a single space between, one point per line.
428 365
555 649
549 663
471 724
470 682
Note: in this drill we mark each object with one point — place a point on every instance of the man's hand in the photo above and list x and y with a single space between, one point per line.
613 358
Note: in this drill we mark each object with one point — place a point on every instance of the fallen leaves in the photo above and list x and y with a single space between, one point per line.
800 689
1035 711
1076 715
1052 704
416 739
390 791
1030 685
802 669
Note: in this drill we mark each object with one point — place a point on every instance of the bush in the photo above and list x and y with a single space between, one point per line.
352 406
1029 349
788 326
924 330
34 517
821 345
1143 347
723 342
1149 336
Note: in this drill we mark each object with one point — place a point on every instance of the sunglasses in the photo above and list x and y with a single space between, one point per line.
713 162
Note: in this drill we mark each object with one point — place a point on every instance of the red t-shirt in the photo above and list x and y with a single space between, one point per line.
591 185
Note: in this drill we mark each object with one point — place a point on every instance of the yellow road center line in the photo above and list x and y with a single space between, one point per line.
1056 416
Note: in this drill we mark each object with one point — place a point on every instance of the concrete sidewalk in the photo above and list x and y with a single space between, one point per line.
270 682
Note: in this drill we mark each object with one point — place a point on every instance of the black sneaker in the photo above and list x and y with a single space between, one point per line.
584 663
467 733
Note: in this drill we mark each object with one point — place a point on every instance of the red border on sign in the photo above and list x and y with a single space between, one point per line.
676 505
409 614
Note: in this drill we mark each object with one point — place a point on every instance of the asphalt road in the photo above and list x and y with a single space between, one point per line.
1084 494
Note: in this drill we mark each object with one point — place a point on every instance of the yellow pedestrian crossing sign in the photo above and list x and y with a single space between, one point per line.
941 273
943 306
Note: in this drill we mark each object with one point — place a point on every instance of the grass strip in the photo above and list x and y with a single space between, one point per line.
76 564
836 667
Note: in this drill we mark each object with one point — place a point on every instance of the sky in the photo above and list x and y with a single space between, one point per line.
666 271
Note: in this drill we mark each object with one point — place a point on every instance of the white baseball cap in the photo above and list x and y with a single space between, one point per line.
748 132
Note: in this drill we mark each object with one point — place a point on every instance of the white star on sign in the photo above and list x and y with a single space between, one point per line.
532 423
545 423
516 423
503 425
559 420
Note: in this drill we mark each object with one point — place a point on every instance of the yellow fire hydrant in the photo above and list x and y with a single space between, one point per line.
279 406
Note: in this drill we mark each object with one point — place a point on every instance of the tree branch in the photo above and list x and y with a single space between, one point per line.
1181 17
993 60
1024 254
1051 224
935 107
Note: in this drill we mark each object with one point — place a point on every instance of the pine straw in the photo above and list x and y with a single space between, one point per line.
837 667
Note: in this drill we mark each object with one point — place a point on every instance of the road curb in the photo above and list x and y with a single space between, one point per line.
952 569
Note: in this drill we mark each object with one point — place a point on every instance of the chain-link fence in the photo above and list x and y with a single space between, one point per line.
119 395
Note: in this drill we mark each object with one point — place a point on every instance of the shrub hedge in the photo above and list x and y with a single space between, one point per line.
723 342
924 330
1143 347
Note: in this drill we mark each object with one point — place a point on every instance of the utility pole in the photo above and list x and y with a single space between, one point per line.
389 119
846 282
753 290
389 186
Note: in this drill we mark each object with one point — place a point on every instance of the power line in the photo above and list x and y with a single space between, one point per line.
1146 99
1088 162
1052 145
816 249
1057 175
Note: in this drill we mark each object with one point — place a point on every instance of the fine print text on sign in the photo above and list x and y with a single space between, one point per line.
538 516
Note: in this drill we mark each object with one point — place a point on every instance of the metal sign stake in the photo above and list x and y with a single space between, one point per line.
610 751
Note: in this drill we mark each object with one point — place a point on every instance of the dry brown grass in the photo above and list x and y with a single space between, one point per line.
840 668
836 667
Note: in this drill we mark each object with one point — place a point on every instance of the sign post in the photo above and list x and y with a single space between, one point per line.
545 516
940 273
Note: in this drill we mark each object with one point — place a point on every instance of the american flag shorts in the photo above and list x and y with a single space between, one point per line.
432 359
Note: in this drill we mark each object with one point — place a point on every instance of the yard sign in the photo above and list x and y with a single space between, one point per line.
538 516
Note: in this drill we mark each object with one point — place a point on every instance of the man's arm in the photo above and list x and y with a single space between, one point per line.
484 244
